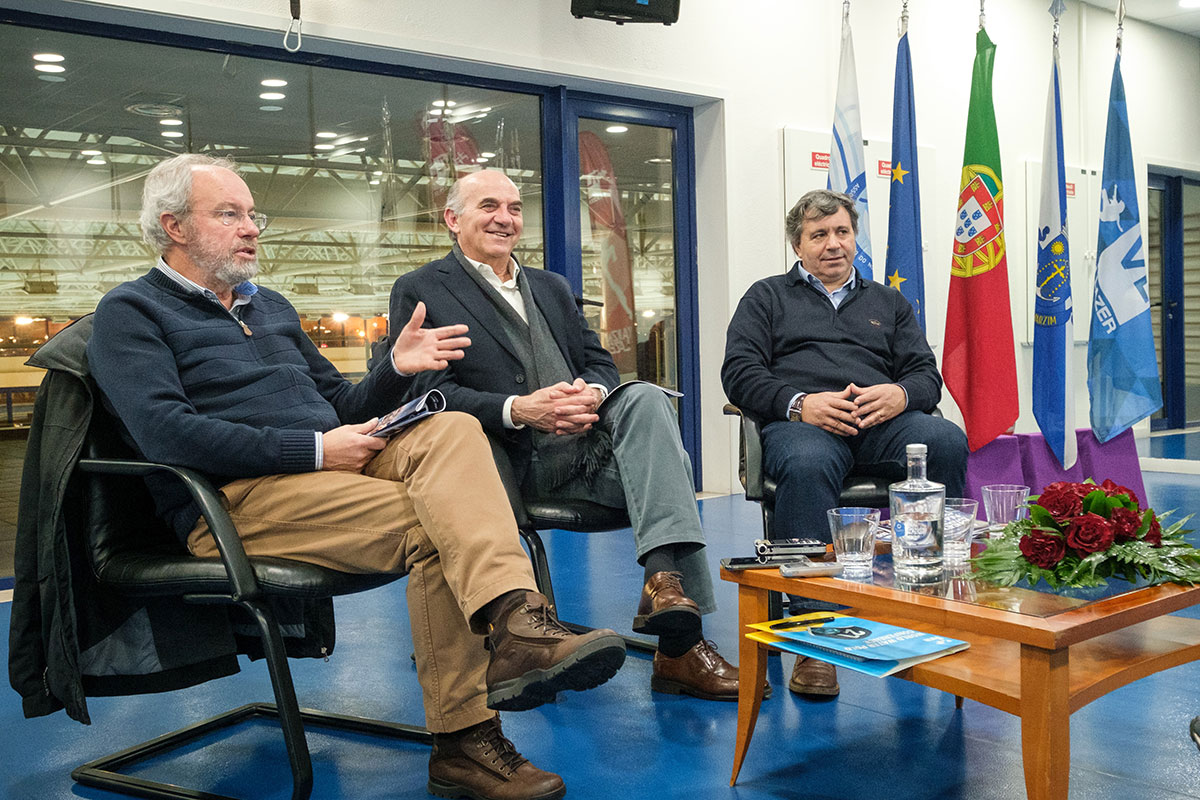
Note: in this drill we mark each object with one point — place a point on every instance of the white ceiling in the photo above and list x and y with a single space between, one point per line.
1166 13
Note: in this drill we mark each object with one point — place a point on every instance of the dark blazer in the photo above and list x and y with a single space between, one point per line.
491 372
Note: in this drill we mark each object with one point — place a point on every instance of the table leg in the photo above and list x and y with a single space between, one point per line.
1045 722
752 671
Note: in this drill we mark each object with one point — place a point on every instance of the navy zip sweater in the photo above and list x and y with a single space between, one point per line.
786 337
194 390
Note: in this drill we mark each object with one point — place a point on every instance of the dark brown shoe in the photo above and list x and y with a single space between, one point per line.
481 764
700 672
534 656
664 608
810 676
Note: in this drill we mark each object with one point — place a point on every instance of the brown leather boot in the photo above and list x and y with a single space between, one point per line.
481 764
534 656
664 608
810 676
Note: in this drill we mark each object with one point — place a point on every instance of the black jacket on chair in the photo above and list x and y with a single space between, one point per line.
70 636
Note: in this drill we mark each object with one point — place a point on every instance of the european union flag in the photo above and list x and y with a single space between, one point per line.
905 268
847 164
1053 326
1122 367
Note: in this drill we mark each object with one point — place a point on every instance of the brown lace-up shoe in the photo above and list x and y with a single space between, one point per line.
481 764
700 672
664 608
810 676
534 656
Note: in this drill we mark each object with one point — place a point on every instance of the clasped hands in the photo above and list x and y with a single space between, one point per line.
350 447
853 409
561 409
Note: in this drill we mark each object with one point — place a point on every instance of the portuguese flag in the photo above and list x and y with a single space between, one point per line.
979 365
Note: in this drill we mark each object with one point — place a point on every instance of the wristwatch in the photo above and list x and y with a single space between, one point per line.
796 409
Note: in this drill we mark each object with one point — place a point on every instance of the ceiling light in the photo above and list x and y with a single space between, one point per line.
435 112
322 147
340 317
52 78
482 160
170 123
617 128
375 182
377 172
486 154
272 96
96 161
326 135
48 58
274 82
648 314
24 320
173 134
49 68
438 103
659 160
270 108
89 152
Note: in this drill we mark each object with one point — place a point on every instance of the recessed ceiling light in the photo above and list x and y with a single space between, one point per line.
617 128
377 172
322 147
96 161
648 313
49 68
173 134
482 160
89 152
486 154
326 135
274 82
52 78
658 160
438 103
436 112
270 108
48 58
375 182
272 96
170 123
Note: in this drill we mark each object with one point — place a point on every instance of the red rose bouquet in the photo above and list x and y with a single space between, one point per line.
1081 534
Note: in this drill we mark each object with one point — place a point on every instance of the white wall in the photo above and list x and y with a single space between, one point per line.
753 67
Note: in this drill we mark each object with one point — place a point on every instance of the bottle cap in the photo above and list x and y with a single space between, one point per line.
916 449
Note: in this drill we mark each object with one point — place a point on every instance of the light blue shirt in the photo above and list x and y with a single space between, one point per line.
838 295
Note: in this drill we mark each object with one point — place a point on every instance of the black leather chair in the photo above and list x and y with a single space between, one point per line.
870 491
569 515
138 560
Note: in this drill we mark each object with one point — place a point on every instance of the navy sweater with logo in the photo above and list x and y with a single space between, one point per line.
786 337
193 390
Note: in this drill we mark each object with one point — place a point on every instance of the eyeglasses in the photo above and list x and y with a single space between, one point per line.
229 217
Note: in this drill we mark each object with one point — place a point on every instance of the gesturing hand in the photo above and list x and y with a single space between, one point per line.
349 448
418 349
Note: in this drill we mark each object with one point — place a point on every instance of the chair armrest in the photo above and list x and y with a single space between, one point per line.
750 459
242 581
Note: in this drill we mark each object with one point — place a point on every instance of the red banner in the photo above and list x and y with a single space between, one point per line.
598 184
450 153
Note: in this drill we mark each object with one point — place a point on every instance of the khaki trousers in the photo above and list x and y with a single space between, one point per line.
429 505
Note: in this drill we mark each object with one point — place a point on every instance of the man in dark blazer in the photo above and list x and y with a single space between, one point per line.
535 377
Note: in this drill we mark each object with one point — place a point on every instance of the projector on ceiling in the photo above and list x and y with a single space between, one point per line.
622 11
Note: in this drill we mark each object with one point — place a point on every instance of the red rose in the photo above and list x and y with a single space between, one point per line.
1042 549
1125 522
1062 500
1154 532
1113 489
1090 533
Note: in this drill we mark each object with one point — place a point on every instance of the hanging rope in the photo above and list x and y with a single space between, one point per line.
902 27
1120 24
295 26
982 16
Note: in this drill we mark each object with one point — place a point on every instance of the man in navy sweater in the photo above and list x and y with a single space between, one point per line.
839 373
208 371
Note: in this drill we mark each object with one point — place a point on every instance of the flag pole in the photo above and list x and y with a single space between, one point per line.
902 26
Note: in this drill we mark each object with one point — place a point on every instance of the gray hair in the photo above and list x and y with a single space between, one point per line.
817 204
168 190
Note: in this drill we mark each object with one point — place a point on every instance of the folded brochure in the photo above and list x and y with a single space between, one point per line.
863 645
414 410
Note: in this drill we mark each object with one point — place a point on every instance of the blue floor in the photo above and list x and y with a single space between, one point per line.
880 738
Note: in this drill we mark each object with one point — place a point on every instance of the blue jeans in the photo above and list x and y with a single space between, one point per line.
809 465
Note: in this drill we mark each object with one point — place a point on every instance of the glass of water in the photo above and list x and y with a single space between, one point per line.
958 528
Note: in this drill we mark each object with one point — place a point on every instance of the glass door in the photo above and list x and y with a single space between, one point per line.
629 218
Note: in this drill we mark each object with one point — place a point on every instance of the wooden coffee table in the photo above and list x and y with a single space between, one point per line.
1038 655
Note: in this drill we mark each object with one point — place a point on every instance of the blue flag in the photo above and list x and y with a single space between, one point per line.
1122 367
847 164
1053 325
905 261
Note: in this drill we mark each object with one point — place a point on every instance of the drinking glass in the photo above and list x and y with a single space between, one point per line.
958 528
853 531
1004 503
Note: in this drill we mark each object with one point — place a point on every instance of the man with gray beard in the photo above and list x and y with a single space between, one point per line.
208 371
